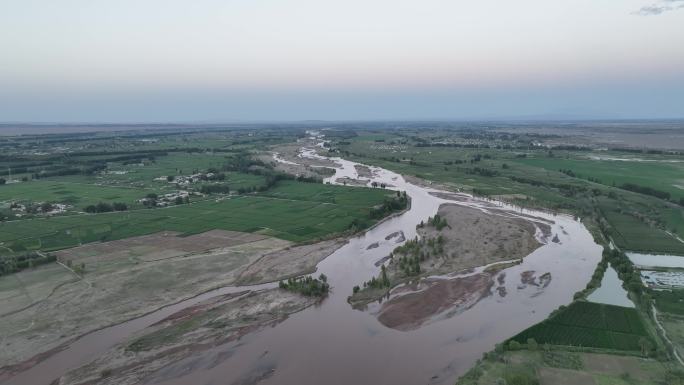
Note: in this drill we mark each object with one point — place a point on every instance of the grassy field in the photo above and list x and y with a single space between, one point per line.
660 174
75 194
293 211
590 324
569 368
669 301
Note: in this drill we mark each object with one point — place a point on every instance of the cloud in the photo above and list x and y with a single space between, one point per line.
651 10
659 8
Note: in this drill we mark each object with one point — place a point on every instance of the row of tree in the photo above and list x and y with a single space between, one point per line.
104 207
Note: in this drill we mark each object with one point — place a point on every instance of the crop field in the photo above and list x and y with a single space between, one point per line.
294 211
669 301
590 324
661 174
71 193
632 234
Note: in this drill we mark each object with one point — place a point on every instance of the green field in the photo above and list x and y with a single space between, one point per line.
75 194
669 301
588 324
292 210
660 174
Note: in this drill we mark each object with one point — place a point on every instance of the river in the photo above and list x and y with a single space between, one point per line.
332 343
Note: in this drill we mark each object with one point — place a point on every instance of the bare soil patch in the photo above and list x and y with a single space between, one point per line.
557 376
157 246
614 365
475 238
410 311
363 171
351 182
288 262
296 165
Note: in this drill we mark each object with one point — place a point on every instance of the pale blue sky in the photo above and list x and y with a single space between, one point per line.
213 60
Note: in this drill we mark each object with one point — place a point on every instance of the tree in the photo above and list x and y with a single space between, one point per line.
532 344
645 346
514 345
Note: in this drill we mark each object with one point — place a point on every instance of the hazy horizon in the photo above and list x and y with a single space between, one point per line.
218 61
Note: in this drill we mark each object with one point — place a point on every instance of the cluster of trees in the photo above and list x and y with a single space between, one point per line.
381 282
645 151
104 207
568 172
70 170
35 208
410 266
79 268
389 205
596 278
221 188
152 200
565 189
437 222
482 172
308 286
13 263
626 272
645 190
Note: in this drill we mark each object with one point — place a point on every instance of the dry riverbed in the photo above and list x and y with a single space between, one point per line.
127 278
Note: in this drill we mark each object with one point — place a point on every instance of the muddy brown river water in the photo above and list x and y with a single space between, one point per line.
332 343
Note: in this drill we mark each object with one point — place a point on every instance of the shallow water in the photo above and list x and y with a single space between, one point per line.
656 260
334 344
611 291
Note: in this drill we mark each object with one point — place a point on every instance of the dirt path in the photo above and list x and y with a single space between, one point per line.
667 339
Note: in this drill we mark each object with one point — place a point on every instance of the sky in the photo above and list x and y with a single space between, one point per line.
267 60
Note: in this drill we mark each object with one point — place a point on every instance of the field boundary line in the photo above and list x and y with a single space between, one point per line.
667 339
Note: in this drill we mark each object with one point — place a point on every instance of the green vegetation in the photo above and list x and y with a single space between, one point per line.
437 222
308 286
626 200
13 263
549 367
293 211
587 324
669 301
658 175
103 207
381 282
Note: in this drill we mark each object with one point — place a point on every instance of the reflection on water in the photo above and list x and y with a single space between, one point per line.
611 291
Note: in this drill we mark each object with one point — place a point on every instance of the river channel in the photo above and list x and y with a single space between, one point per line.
332 343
